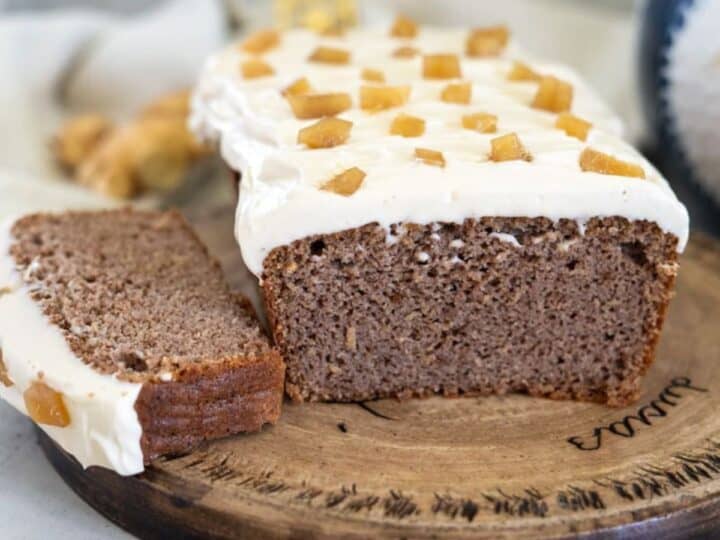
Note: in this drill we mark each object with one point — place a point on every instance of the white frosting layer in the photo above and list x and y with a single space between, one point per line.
104 429
279 197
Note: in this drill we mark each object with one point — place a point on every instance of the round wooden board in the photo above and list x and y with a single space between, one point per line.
495 467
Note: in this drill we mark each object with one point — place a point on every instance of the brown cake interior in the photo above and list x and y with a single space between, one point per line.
136 294
454 309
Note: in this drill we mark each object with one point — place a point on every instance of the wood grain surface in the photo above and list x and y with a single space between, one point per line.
499 467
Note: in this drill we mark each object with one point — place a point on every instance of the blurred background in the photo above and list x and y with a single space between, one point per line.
656 62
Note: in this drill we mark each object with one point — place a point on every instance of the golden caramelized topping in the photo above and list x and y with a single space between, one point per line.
346 183
407 126
377 98
482 122
45 405
508 148
403 28
298 88
522 72
553 95
430 157
372 75
310 106
5 379
487 41
573 126
330 55
457 93
594 161
325 133
406 52
441 66
261 41
255 68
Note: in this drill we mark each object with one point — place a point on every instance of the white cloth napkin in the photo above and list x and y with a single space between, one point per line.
120 63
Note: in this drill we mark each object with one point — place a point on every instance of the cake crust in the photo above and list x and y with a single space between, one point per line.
489 306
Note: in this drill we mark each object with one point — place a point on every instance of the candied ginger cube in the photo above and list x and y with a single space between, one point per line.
261 41
318 105
45 405
403 27
573 126
594 161
441 66
482 122
553 95
330 55
372 75
407 126
522 72
406 52
346 183
377 98
253 69
298 88
430 157
508 148
325 133
487 41
457 93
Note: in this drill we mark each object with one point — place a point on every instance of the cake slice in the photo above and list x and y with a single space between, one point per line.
472 223
120 338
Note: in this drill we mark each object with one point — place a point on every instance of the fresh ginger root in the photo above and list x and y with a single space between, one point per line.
153 152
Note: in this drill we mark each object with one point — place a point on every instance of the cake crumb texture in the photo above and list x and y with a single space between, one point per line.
458 309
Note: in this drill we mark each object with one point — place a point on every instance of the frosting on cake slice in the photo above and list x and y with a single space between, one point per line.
458 81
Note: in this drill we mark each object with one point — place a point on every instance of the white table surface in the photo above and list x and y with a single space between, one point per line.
34 500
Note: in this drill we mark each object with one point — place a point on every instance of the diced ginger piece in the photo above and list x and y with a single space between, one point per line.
487 41
325 133
330 55
522 72
508 148
346 183
482 122
430 157
45 405
594 161
441 66
5 379
407 126
457 93
261 41
372 75
377 98
255 68
403 27
298 88
573 126
406 52
553 95
318 105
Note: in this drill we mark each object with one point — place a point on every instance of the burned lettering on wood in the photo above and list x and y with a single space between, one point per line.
627 427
